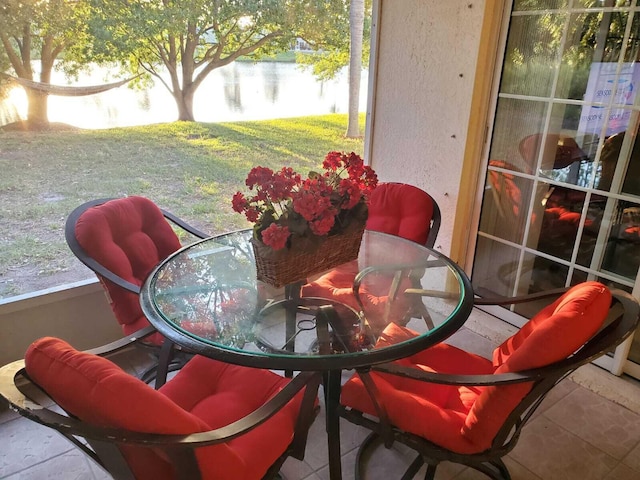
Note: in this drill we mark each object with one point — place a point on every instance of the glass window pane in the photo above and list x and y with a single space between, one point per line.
619 163
519 5
591 229
531 57
495 269
566 155
561 213
600 3
622 254
505 206
516 120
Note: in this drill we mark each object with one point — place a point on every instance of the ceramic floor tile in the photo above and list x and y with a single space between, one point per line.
633 459
557 393
313 476
467 340
602 423
26 443
6 414
295 469
622 472
551 452
517 471
72 465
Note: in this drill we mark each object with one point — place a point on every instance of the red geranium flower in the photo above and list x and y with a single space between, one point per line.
285 204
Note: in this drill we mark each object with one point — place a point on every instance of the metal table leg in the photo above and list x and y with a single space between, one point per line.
332 386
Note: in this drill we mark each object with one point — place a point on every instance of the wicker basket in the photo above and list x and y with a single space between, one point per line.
284 267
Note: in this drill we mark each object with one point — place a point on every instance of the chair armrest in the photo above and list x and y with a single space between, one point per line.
184 225
489 300
398 270
620 324
462 380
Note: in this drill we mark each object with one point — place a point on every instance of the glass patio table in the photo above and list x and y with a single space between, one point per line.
207 299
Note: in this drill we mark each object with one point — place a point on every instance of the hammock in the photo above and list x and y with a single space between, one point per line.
66 91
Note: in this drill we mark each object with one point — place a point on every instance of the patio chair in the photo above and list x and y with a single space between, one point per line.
398 209
451 405
211 421
122 240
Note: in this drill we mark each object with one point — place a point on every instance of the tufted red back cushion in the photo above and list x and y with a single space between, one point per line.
129 236
553 334
402 210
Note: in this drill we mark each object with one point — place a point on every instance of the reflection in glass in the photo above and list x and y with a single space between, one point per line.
506 204
532 48
496 268
600 3
620 152
515 120
622 253
519 5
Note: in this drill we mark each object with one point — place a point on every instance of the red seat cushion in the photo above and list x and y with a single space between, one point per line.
204 395
467 419
129 236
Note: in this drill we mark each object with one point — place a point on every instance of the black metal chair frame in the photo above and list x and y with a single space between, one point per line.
169 357
619 325
102 443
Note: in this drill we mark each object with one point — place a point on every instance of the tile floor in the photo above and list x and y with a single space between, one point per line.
575 435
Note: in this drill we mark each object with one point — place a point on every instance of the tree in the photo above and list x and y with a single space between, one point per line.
33 30
356 22
345 44
191 38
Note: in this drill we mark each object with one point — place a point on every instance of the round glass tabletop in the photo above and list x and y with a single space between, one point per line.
206 298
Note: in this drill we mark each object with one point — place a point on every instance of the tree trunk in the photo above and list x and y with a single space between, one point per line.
356 20
37 112
184 101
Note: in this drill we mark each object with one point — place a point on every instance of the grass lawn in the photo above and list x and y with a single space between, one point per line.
191 169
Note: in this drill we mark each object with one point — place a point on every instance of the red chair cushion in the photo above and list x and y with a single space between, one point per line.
204 395
467 419
374 293
402 210
129 236
561 327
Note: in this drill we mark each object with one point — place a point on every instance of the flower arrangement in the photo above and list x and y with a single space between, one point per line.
290 210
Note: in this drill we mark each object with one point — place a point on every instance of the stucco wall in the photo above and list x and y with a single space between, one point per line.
78 313
424 81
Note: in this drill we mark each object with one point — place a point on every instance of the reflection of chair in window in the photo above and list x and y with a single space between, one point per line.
508 192
559 152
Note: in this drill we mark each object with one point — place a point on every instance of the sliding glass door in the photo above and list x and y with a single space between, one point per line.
561 203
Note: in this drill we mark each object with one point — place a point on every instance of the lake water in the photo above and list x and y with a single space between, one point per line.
239 91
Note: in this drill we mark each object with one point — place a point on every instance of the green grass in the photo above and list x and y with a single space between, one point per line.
189 168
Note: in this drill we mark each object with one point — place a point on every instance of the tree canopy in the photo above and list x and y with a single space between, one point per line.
180 42
37 34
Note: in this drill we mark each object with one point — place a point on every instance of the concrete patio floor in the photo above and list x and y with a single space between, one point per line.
576 434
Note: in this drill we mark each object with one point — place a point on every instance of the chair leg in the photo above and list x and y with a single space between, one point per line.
373 440
431 472
414 467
